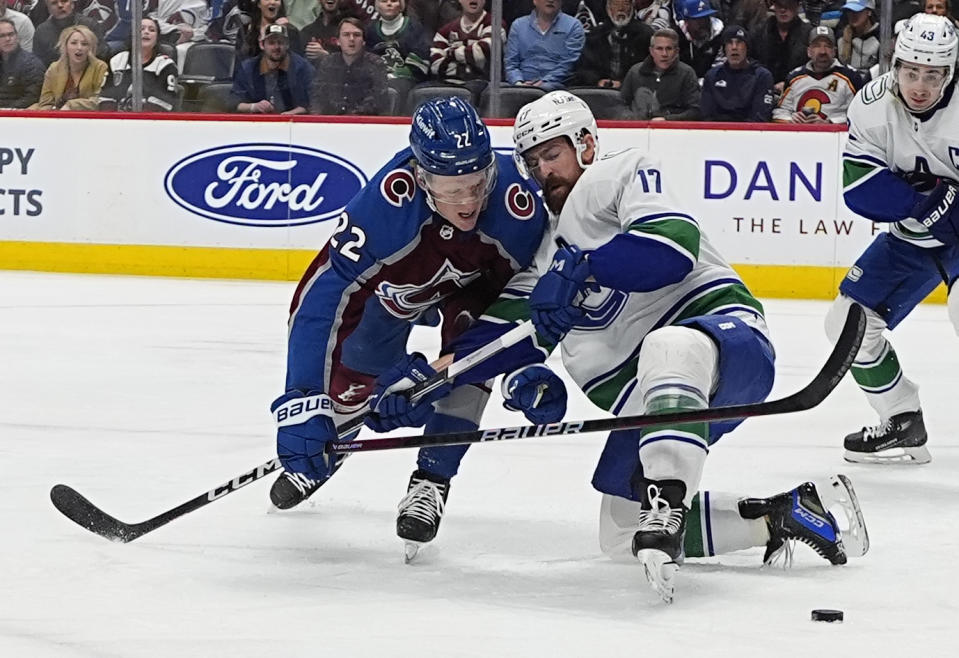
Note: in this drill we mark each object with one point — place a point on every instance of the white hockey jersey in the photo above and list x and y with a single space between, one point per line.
826 94
626 192
893 156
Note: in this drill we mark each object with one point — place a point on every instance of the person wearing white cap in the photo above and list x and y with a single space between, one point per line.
859 41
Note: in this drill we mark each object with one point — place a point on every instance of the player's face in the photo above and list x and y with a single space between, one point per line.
78 48
389 9
554 166
920 85
460 199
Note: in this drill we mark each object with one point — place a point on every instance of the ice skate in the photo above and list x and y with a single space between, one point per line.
291 489
658 544
797 515
899 440
421 511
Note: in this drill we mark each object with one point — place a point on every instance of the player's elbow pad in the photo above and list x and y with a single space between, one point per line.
635 264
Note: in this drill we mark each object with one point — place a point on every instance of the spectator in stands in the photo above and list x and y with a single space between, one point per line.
402 43
543 48
63 14
661 87
858 45
461 48
940 8
739 89
434 14
613 47
35 10
821 90
513 9
781 44
350 81
655 13
301 13
751 15
700 35
74 81
24 27
21 73
320 37
262 14
277 81
159 76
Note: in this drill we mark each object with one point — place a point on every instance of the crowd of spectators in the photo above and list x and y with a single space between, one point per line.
797 61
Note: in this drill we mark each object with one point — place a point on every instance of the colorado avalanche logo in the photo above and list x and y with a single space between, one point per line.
519 202
398 187
408 301
814 98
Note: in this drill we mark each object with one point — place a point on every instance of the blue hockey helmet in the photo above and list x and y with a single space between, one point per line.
686 9
449 139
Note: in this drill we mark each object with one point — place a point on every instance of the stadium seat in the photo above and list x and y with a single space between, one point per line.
428 91
511 100
178 106
393 109
605 103
215 98
205 63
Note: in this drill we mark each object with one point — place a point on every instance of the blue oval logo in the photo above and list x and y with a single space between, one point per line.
264 184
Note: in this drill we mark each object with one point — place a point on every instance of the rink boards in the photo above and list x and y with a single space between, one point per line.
229 197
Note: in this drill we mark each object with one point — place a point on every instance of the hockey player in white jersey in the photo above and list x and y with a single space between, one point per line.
901 167
649 318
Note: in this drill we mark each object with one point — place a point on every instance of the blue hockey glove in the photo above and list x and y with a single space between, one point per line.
536 391
554 300
939 212
304 426
390 402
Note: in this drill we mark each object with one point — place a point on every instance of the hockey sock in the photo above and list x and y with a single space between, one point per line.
674 452
714 526
888 390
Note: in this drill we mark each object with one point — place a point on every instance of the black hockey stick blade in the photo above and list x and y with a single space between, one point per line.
87 515
832 372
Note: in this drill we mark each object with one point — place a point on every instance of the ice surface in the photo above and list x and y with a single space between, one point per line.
143 393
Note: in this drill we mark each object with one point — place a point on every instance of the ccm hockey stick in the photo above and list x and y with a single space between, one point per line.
87 515
811 395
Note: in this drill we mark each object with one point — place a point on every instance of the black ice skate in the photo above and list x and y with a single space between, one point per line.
421 510
658 544
899 440
799 515
291 489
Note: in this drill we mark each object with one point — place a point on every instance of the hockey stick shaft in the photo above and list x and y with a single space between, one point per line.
836 366
81 511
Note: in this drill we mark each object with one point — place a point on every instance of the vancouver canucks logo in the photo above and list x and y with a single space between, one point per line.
409 300
954 156
601 310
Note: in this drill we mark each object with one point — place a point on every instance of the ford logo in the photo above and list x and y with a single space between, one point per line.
264 184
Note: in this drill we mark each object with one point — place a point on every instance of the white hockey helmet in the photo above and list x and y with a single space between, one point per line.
929 40
556 114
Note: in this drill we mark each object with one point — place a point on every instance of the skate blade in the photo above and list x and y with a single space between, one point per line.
660 572
917 455
410 550
838 496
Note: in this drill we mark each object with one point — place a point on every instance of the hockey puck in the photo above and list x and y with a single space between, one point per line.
827 615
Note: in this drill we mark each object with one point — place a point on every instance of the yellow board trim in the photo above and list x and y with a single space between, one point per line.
770 281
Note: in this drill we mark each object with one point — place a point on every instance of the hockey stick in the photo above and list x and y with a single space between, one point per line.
811 395
87 515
